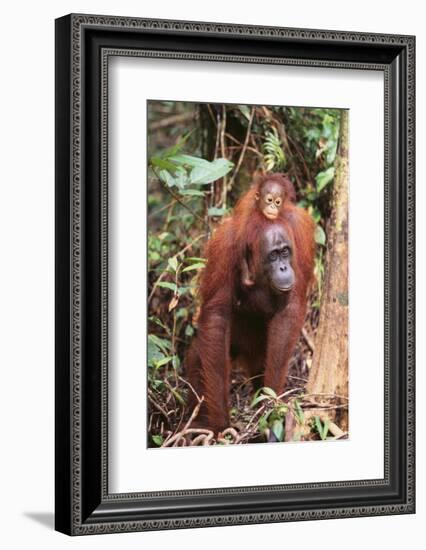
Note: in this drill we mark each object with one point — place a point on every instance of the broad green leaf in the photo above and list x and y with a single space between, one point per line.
183 290
173 263
262 424
154 354
158 322
161 343
163 164
189 331
188 160
282 410
213 211
158 440
162 362
278 429
196 259
192 192
193 266
244 110
170 286
211 171
182 312
320 428
167 178
258 399
269 391
320 237
316 214
181 178
300 415
176 364
324 178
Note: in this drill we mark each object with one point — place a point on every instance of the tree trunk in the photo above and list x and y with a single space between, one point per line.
329 371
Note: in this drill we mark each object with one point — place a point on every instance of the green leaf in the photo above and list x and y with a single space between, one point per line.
300 415
178 397
170 286
188 160
212 171
278 429
325 429
262 424
181 178
161 343
258 399
213 211
158 440
316 214
320 237
269 391
282 410
196 259
324 178
173 263
322 429
183 290
189 331
182 313
157 321
244 110
163 164
167 178
193 266
177 147
192 192
154 354
176 364
162 362
318 425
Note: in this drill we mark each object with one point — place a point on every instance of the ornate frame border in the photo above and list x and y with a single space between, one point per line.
83 506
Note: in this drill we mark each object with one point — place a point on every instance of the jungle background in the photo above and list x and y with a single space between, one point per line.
201 159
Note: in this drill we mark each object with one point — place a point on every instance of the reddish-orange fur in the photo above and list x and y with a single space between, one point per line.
247 323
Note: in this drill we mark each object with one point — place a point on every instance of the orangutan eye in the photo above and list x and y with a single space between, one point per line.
278 202
285 252
273 255
269 199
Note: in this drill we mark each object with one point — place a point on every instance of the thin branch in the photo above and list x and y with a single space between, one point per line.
156 405
191 419
171 121
243 151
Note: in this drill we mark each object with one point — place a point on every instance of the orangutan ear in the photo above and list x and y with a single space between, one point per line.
257 195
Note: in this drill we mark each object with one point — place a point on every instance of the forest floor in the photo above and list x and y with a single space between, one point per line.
171 424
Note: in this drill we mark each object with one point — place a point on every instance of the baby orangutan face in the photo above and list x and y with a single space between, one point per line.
270 199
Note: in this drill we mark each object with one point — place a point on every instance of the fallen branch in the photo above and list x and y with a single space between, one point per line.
194 414
172 120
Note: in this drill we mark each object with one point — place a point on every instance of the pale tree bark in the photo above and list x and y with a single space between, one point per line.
329 371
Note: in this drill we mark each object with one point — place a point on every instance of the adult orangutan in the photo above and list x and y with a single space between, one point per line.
257 324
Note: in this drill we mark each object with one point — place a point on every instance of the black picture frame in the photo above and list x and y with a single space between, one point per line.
83 46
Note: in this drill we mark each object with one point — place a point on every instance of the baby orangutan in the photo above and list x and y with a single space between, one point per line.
271 194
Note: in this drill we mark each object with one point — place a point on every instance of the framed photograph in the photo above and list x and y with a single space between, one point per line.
234 274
